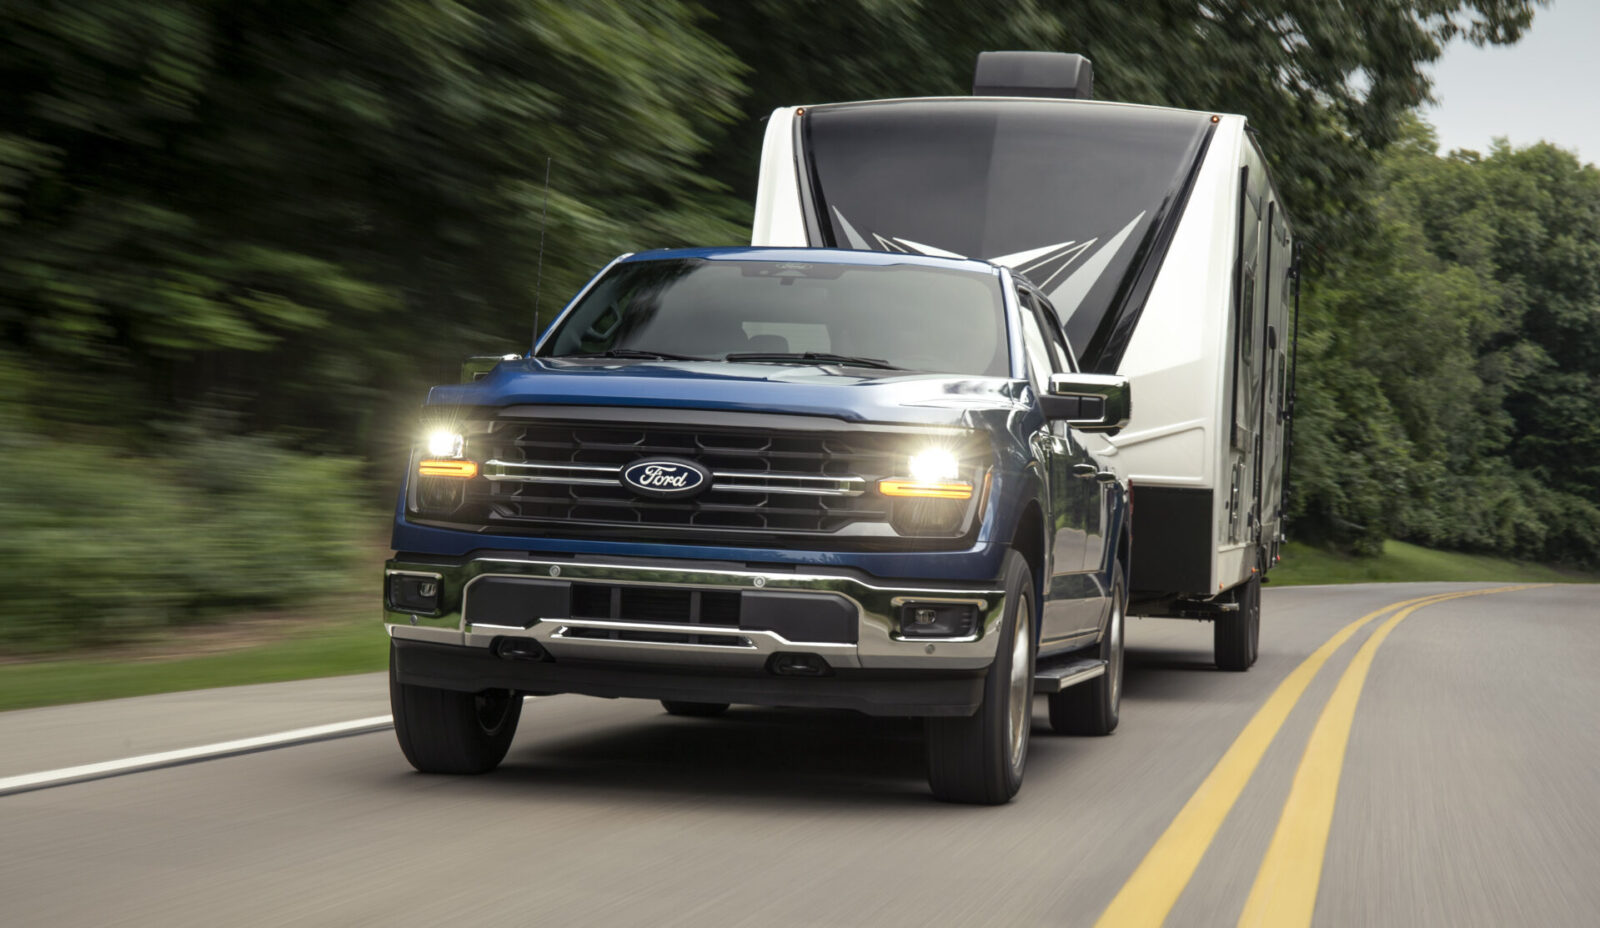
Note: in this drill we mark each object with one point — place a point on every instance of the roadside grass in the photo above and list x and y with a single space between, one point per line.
1401 562
347 637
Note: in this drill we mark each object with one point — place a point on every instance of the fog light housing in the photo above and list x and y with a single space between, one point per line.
415 593
785 664
938 620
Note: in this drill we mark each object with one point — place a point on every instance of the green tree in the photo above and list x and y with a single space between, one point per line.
1449 378
290 200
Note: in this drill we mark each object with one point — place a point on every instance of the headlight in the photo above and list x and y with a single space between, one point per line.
934 465
935 473
443 443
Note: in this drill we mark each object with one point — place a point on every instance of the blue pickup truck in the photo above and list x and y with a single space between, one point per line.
782 477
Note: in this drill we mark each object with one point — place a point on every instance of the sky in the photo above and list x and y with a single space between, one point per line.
1547 86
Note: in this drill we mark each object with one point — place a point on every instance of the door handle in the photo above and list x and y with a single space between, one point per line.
1084 470
1106 476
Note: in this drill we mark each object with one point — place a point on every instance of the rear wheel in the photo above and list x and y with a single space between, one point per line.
443 731
678 707
980 758
1235 635
1091 708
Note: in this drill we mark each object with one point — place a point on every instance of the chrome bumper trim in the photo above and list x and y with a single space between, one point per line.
877 646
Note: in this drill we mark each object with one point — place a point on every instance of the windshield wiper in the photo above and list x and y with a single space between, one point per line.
878 363
637 353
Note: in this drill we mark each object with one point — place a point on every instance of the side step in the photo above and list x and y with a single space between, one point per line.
1053 678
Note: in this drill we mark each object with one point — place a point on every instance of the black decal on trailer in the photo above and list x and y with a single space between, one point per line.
1080 198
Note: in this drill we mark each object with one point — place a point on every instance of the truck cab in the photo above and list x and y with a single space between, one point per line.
772 476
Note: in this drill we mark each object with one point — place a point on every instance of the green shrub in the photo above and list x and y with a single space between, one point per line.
99 544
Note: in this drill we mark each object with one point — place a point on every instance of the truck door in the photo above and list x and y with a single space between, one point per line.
1070 594
1093 516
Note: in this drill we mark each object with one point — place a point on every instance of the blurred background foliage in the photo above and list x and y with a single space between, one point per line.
237 240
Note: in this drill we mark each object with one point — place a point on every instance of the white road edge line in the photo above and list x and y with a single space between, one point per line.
47 778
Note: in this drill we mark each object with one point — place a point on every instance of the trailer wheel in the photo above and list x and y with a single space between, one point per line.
1234 635
979 759
679 707
1091 708
443 731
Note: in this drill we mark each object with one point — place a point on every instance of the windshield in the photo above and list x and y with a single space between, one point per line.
900 316
1065 193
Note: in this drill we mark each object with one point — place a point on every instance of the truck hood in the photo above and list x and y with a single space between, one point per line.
796 389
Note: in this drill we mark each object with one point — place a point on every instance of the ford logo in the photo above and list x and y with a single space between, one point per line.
665 477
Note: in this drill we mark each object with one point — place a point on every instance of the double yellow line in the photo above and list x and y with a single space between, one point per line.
1285 889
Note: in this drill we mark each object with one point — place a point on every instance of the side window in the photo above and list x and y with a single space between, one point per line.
1033 342
1066 363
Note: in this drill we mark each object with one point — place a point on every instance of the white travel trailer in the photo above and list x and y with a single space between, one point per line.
1162 243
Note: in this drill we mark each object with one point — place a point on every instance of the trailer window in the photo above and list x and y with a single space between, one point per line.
1067 193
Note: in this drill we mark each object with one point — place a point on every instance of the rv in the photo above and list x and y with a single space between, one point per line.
1159 238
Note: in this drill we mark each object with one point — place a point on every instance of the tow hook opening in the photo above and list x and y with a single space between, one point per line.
519 649
798 665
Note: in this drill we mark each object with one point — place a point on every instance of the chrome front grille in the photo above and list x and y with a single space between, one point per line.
727 481
566 474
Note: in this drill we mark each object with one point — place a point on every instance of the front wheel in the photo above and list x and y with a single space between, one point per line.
443 731
1091 708
979 758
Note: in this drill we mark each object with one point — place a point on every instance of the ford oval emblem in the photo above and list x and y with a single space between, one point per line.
666 477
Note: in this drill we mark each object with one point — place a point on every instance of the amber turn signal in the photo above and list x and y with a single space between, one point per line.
925 490
448 468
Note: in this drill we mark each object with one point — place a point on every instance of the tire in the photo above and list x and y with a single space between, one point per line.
1255 617
678 707
1235 635
443 731
1091 708
980 758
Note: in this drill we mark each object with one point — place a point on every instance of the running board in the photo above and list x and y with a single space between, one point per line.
1057 677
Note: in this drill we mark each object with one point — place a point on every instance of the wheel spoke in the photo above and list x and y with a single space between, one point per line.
1021 684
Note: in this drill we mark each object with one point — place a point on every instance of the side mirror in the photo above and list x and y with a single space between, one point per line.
479 367
1089 402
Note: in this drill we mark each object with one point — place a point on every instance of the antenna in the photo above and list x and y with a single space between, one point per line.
538 284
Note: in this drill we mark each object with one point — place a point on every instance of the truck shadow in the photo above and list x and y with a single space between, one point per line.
748 754
1155 673
755 755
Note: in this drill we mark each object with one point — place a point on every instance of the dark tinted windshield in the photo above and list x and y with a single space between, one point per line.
916 318
1066 193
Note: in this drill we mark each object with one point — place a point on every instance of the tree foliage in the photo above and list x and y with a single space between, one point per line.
1451 384
205 197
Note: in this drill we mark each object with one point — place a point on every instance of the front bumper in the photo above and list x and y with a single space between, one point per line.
871 666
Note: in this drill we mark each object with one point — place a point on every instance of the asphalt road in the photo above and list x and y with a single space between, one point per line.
1468 793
